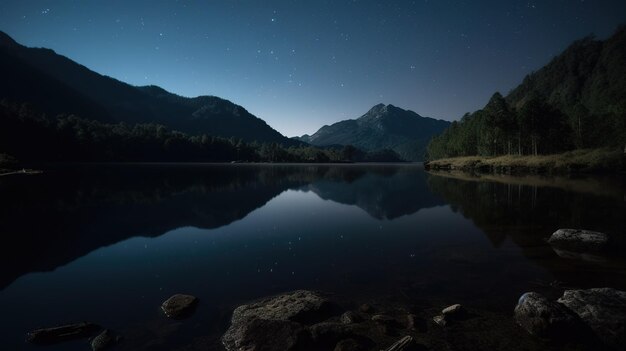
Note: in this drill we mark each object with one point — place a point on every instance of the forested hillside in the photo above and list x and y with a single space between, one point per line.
55 85
576 101
33 137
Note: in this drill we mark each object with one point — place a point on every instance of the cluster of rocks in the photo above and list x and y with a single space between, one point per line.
177 306
593 313
598 313
307 320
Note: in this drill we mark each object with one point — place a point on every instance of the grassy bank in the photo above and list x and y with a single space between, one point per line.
578 161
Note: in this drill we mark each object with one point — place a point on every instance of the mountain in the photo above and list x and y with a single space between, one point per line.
576 101
55 84
382 127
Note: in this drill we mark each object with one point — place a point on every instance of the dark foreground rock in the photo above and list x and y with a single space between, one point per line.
450 313
104 340
62 333
578 240
349 345
277 323
179 305
544 318
603 310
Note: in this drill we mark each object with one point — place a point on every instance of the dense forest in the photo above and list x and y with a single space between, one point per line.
31 136
577 101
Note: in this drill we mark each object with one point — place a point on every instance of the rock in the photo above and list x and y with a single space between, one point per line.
578 240
383 319
542 317
454 311
365 308
350 317
62 333
440 320
349 345
402 344
449 314
179 305
411 321
386 323
603 310
330 332
266 335
274 323
103 341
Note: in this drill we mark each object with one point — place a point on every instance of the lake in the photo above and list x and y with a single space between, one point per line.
109 243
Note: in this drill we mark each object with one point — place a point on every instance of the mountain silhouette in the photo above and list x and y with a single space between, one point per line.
55 84
382 127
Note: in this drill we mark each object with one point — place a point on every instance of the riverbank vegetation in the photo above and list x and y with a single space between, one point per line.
585 160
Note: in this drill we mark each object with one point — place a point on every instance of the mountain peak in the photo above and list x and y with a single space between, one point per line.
382 127
382 110
6 41
377 109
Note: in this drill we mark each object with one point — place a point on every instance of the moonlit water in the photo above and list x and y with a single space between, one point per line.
108 244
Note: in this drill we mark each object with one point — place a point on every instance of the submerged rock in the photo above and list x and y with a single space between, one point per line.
104 340
62 333
542 317
440 320
578 240
448 314
274 323
179 305
603 310
454 311
350 318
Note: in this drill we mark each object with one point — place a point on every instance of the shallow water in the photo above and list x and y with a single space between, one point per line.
109 243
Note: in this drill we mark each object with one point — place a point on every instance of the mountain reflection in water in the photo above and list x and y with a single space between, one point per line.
113 241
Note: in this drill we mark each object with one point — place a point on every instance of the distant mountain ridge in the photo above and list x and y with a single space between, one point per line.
382 127
56 84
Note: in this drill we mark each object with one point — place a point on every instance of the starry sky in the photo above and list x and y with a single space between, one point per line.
301 64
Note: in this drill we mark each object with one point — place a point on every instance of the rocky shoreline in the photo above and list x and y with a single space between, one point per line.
580 319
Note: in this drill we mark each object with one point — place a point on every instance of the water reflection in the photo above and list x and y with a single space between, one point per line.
114 241
70 212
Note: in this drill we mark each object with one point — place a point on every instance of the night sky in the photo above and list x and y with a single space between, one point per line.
302 64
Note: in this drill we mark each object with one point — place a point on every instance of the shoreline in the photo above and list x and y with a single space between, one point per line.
578 161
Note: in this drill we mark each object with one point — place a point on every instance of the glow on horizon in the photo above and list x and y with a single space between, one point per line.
300 65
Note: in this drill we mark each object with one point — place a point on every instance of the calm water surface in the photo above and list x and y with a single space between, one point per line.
109 243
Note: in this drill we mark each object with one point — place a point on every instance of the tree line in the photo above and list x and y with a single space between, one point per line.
537 127
576 101
32 136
